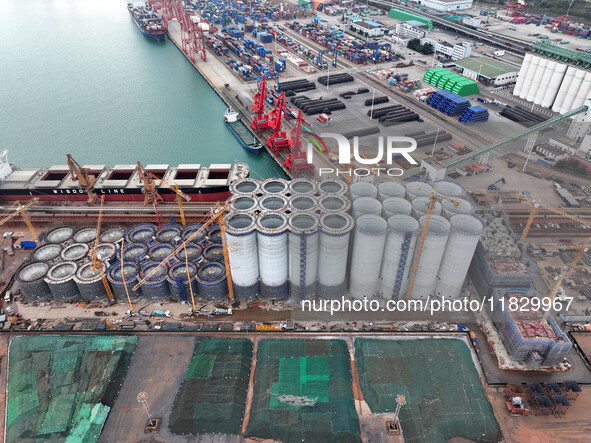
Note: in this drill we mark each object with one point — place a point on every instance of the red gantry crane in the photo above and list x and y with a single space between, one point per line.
260 123
297 161
278 141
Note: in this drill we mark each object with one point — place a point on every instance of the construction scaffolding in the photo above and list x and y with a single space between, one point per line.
444 396
212 397
62 388
303 392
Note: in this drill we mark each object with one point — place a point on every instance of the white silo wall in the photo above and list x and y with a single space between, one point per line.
362 189
432 253
461 244
567 105
333 203
398 251
368 249
522 74
535 86
303 255
272 242
243 254
555 82
448 188
333 249
395 205
420 206
563 90
418 189
366 205
302 186
545 82
460 206
388 189
531 72
583 93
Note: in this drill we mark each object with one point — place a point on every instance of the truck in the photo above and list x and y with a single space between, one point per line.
499 53
159 313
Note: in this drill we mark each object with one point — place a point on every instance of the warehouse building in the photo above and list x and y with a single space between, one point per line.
409 30
488 70
367 28
446 5
550 152
449 52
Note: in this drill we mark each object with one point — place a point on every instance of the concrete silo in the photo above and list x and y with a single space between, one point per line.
396 205
522 74
75 252
545 82
564 88
243 254
368 250
417 189
303 255
398 251
212 281
59 235
47 253
388 189
420 206
272 239
273 203
189 252
60 279
183 284
572 92
245 203
141 233
194 232
123 280
274 186
113 234
90 284
366 205
459 206
31 280
461 244
332 186
214 252
333 248
156 286
583 93
302 186
134 252
554 84
362 189
431 255
105 252
86 234
301 202
448 188
535 86
531 73
168 233
160 251
334 203
245 186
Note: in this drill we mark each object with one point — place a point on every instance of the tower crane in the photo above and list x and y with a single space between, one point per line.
96 263
536 206
22 211
85 179
151 195
260 123
278 141
226 255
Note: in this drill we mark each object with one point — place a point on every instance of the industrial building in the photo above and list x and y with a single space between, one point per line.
550 152
367 28
449 52
551 83
407 30
446 5
488 70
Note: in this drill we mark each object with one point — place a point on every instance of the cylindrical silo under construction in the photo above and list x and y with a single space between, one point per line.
302 186
160 251
432 253
448 188
105 252
333 249
122 283
59 235
156 286
400 244
417 189
90 284
189 252
183 284
113 234
458 206
302 202
134 252
168 233
420 206
273 202
303 255
243 254
195 232
331 185
366 205
245 203
274 186
388 189
214 234
212 281
245 186
60 279
31 280
141 233
272 242
461 244
362 189
396 205
75 252
333 203
85 235
47 253
368 250
214 252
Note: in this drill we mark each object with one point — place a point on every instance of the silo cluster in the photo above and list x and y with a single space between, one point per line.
328 240
552 84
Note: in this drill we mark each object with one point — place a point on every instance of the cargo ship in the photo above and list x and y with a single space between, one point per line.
244 136
146 20
120 183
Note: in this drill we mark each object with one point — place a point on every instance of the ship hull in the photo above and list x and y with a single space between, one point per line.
156 36
236 129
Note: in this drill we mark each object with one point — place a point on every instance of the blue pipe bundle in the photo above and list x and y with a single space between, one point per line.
474 114
448 102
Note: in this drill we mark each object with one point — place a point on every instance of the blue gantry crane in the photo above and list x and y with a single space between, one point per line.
320 57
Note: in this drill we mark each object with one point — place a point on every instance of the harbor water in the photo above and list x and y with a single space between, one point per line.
78 77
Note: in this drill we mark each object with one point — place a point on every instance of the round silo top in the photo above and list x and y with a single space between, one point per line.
243 203
179 270
85 235
112 234
168 233
134 251
334 203
129 269
33 272
59 235
150 267
105 251
74 252
211 271
190 250
237 224
302 186
273 202
303 224
214 252
190 231
47 252
336 224
62 271
332 186
274 186
302 203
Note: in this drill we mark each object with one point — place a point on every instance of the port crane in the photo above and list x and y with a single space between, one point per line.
97 265
85 179
278 141
536 206
297 162
21 210
151 195
259 122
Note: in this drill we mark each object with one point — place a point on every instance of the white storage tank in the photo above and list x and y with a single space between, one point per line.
416 189
396 205
368 250
432 253
448 188
529 78
31 280
583 93
535 86
545 82
362 189
332 254
333 203
303 255
400 243
420 206
564 88
366 205
243 254
461 244
554 84
572 92
272 239
331 185
522 74
459 206
388 189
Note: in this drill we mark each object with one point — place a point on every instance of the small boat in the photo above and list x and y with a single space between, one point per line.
147 21
246 138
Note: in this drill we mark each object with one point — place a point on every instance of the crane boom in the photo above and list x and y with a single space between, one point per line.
22 211
96 263
86 180
419 248
151 195
226 255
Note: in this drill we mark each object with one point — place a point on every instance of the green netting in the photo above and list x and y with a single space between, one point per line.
302 392
212 398
55 384
444 396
